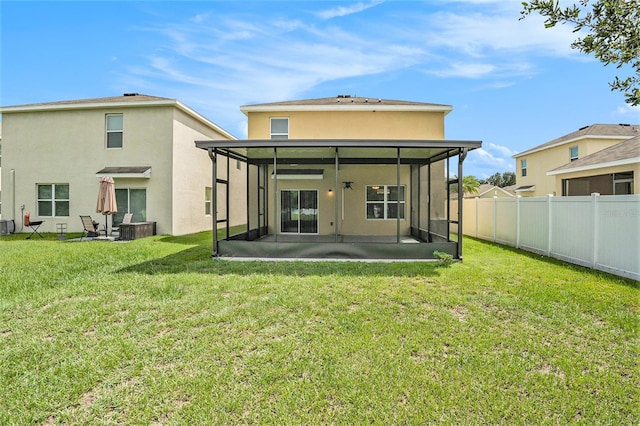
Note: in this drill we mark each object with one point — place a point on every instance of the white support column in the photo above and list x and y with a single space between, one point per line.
550 223
477 216
594 206
495 218
518 221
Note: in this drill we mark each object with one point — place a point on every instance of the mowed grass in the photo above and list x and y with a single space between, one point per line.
156 332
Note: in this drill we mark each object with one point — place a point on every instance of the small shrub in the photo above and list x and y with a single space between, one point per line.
445 258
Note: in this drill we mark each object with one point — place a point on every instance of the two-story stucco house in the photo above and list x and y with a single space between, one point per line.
55 153
561 167
344 177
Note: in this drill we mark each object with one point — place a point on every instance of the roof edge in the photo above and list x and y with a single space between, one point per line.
79 105
246 109
624 162
545 147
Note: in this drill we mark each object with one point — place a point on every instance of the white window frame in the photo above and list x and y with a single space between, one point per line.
573 157
523 167
628 180
386 202
109 131
278 135
53 200
208 200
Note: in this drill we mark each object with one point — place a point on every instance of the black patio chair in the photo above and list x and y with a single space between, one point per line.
33 224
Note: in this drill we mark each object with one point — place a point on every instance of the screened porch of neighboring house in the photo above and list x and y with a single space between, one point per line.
340 199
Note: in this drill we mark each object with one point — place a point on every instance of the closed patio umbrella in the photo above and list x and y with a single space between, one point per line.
107 204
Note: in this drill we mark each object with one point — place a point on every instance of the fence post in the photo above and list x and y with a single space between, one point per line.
550 223
594 205
518 221
477 216
495 218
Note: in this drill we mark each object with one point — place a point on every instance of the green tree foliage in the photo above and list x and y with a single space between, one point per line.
470 185
501 180
612 34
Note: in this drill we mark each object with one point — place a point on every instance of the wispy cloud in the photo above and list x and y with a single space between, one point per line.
489 159
627 110
241 58
347 10
468 70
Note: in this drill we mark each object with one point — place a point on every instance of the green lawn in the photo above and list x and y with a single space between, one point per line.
155 332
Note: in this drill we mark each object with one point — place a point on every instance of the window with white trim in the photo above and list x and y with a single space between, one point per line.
279 128
114 126
523 166
53 199
383 202
573 153
207 201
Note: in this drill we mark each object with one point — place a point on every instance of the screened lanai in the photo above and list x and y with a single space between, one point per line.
338 199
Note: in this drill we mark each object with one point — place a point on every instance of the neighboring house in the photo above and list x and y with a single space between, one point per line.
541 170
610 171
344 177
489 191
54 154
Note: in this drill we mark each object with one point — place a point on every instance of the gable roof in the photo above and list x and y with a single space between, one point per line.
126 100
484 189
627 152
595 131
346 103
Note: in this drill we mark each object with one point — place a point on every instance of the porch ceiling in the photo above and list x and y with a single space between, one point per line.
261 150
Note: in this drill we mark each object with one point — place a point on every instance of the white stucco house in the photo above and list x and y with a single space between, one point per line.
53 155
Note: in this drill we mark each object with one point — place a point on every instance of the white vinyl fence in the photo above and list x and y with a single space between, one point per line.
600 232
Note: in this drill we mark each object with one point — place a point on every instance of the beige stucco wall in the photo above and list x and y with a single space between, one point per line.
540 162
192 173
345 124
352 124
69 147
355 221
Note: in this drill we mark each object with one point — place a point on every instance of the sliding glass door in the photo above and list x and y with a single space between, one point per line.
299 211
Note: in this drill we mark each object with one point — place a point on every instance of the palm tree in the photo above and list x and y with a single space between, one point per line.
470 185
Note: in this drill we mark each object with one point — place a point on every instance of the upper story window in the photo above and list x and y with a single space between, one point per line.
523 166
114 130
279 128
573 153
53 199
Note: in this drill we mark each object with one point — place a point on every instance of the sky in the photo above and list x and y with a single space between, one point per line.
512 83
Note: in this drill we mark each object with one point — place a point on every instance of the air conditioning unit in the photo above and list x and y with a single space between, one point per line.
7 226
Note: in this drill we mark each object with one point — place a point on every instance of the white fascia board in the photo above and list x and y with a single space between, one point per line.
624 162
204 120
86 105
144 175
533 150
532 188
346 107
